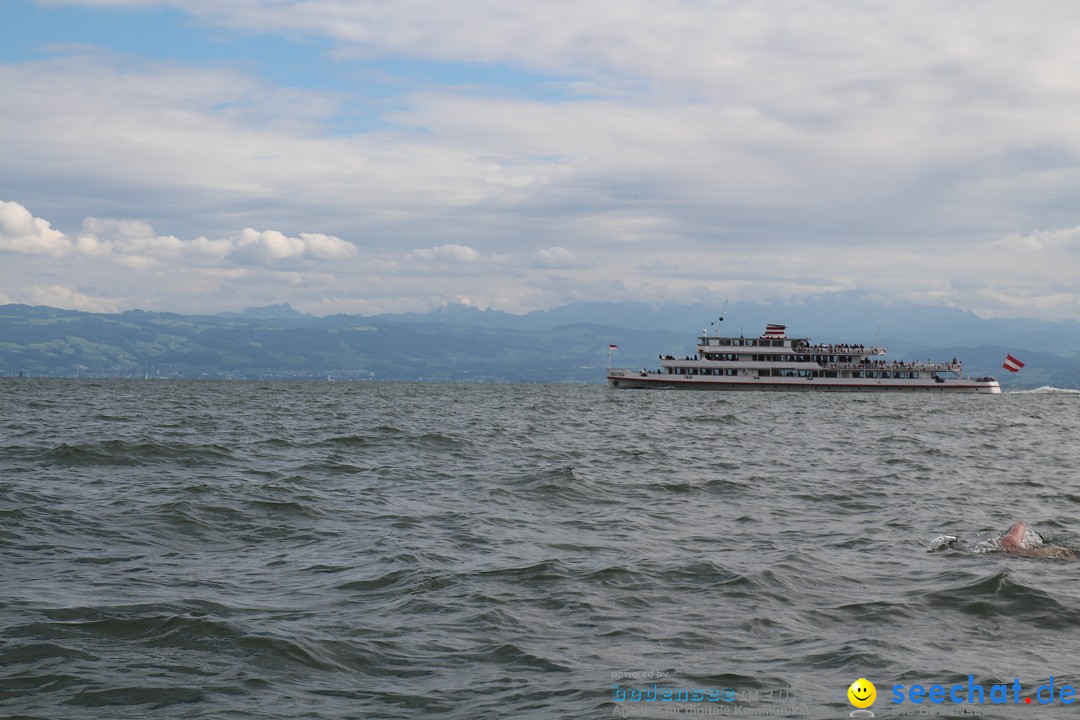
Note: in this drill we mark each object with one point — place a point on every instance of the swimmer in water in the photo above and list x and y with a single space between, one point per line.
1015 540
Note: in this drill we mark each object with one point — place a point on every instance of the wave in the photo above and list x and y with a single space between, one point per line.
156 697
195 626
125 453
1000 595
1044 390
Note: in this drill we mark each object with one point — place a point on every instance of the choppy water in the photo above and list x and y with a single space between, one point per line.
335 550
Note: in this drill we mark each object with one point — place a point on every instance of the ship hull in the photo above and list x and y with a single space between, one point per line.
629 380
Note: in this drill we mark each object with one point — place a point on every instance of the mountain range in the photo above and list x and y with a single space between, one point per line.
461 343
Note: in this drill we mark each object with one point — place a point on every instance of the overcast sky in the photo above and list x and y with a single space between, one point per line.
396 155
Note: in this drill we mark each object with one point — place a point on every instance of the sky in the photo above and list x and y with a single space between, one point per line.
382 156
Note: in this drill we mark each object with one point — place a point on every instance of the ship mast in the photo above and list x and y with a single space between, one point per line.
720 319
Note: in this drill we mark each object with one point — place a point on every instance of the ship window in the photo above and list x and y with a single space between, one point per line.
829 374
913 375
857 374
724 341
731 371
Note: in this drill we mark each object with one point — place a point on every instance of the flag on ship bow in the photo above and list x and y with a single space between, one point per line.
1012 364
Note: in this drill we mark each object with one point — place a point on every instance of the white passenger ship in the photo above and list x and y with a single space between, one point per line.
776 362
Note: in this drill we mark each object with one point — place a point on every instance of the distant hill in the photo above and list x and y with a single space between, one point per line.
853 316
42 341
457 343
283 311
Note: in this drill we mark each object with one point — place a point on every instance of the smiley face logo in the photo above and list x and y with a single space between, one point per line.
862 693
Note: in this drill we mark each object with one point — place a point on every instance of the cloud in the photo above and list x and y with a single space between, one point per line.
21 232
64 297
460 254
752 149
554 258
1041 240
326 247
270 246
130 243
135 244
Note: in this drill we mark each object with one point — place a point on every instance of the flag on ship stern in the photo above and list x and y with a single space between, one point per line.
775 330
612 347
1012 364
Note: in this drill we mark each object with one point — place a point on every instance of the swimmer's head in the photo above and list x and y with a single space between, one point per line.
1014 537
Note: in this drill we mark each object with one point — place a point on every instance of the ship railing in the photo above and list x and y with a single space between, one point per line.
698 361
839 350
881 365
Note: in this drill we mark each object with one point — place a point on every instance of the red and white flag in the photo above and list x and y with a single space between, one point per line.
775 330
1012 364
612 347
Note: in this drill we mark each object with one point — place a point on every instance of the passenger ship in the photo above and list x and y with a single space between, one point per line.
776 362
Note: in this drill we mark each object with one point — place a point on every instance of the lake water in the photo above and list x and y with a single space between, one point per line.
363 550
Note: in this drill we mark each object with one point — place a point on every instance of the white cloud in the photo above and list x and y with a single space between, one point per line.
261 247
134 244
326 247
446 254
65 297
555 258
131 243
1041 240
271 246
21 232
